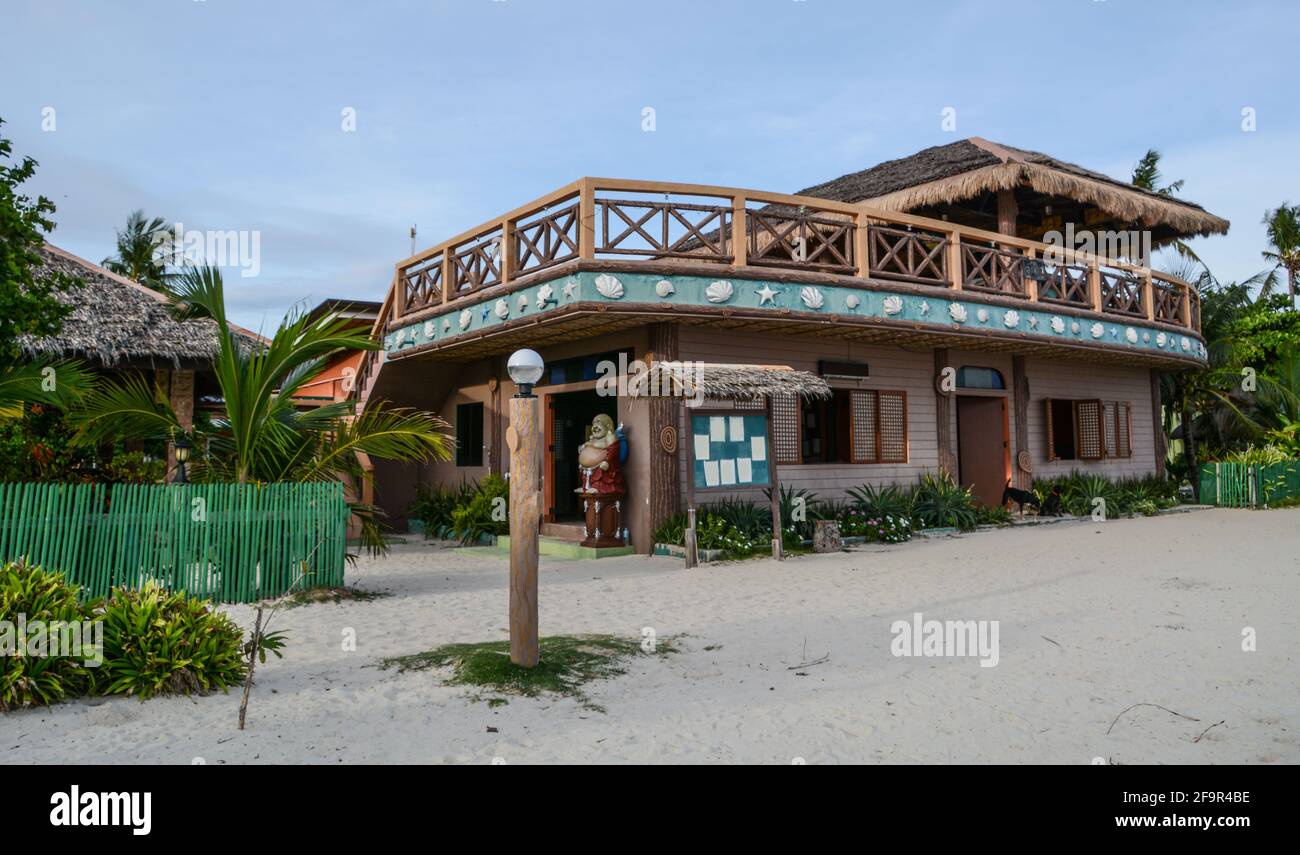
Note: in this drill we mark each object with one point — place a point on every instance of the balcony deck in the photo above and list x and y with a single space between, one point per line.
599 254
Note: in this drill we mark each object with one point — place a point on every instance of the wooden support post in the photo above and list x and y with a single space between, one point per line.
524 439
507 250
692 555
665 422
943 416
1031 285
399 295
586 219
1158 423
739 234
1008 211
448 289
1094 285
956 275
777 552
1186 305
1020 407
1149 294
862 245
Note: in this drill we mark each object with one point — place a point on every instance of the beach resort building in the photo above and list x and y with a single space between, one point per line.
974 308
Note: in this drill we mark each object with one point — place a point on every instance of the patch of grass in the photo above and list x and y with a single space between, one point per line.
566 663
310 596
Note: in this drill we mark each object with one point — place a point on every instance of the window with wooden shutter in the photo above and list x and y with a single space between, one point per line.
785 428
892 414
1088 430
1123 429
862 427
1109 431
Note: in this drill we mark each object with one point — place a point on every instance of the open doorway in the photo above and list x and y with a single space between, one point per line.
568 419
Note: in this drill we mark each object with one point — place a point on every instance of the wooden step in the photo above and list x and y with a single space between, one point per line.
565 531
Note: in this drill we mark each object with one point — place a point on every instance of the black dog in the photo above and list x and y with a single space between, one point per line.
1052 505
1021 498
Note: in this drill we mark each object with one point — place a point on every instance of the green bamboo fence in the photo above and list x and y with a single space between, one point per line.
235 543
1244 485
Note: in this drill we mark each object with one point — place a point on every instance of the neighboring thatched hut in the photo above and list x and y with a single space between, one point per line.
996 187
117 325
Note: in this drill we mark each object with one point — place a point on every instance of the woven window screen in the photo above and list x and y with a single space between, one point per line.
785 428
863 411
1088 417
1108 428
1124 429
760 404
893 427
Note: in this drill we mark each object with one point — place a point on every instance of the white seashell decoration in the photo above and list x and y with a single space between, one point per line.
1058 325
1186 343
609 286
1160 339
429 329
466 316
957 312
446 324
1098 330
545 294
1146 336
1074 327
893 304
1131 335
1011 319
664 288
502 308
401 337
719 292
852 301
811 297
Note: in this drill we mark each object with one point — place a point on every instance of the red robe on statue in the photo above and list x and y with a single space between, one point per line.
607 480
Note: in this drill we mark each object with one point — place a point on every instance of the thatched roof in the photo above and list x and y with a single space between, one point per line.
968 168
722 382
114 320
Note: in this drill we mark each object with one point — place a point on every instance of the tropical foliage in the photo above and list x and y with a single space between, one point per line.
1283 225
264 436
144 250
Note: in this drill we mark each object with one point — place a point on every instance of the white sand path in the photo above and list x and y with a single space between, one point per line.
1137 611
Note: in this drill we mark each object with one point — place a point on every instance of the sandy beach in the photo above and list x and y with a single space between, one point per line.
1093 619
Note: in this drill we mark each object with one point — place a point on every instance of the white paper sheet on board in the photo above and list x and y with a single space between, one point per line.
758 447
728 472
737 428
744 470
711 473
701 447
717 428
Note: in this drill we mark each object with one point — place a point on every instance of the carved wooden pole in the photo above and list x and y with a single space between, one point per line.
525 522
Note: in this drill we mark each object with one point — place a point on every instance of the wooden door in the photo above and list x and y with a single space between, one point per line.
983 446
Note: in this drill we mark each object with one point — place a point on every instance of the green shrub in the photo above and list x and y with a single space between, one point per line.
940 502
789 500
435 505
1258 456
882 501
672 530
29 591
996 515
159 642
472 521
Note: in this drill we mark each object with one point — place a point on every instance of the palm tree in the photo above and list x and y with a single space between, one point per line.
54 384
263 437
144 249
1147 176
1284 242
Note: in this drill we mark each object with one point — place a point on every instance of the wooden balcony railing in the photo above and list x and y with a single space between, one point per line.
597 218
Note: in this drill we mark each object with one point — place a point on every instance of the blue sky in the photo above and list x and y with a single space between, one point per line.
226 114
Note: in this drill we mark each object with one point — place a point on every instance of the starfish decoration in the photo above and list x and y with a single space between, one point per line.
1033 322
570 289
486 309
765 294
924 308
1114 332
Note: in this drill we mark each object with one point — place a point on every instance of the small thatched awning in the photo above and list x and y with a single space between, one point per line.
722 382
963 170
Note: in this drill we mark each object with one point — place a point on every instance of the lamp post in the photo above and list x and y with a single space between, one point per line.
183 446
523 436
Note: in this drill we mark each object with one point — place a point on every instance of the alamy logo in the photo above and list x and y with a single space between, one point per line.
73 808
946 638
39 639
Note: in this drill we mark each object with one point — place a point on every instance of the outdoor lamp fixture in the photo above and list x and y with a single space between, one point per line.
183 448
525 368
524 437
1035 270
